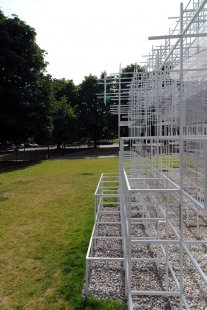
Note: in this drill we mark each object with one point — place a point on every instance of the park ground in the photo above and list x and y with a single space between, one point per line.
46 217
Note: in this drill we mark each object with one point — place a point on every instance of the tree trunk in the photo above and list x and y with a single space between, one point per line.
58 145
94 143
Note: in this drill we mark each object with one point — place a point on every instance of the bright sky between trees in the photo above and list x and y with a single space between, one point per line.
90 36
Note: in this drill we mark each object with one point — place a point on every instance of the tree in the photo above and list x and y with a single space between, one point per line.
24 90
64 111
126 77
63 122
67 88
90 110
40 121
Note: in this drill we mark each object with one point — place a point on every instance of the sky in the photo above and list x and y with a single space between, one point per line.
85 37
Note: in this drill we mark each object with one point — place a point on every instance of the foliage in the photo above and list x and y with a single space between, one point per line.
132 68
34 107
63 120
94 117
89 109
64 114
127 74
65 88
46 220
24 90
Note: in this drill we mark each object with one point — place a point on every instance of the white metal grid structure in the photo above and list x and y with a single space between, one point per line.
162 185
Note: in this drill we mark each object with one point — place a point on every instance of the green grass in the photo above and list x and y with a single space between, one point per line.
92 303
171 161
46 217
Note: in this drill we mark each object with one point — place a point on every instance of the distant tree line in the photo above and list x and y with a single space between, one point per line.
34 107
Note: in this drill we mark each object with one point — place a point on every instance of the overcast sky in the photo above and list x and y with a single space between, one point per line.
90 36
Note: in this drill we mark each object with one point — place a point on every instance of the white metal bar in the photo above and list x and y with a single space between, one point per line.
155 293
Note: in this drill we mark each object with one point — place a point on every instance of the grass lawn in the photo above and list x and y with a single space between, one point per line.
46 217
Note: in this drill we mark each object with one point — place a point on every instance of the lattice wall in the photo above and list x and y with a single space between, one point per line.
162 194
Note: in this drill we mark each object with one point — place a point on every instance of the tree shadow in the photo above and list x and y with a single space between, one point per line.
11 165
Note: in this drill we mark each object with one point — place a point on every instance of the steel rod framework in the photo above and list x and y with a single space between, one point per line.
160 192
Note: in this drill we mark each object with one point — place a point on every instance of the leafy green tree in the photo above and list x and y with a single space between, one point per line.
24 90
64 111
34 106
90 110
126 76
63 122
40 111
67 88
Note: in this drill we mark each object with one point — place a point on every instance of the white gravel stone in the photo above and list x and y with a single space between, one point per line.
107 278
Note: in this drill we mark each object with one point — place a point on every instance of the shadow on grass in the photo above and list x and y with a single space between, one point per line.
102 304
89 153
2 198
11 165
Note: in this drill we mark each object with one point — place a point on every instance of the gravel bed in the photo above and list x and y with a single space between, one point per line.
108 248
109 230
107 278
110 218
155 303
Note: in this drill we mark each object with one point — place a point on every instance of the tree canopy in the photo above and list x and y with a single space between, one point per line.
38 108
24 89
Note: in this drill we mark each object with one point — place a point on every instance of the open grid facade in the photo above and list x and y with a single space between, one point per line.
160 193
